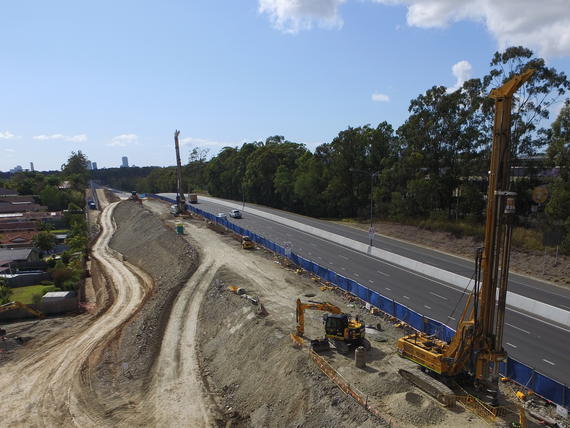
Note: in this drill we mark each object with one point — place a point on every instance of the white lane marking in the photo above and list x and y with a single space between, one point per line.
452 318
564 306
437 295
406 297
320 258
389 289
518 328
427 307
370 281
356 274
510 344
343 268
549 362
383 273
344 257
331 263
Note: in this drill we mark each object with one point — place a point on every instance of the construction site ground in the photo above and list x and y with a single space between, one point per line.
163 342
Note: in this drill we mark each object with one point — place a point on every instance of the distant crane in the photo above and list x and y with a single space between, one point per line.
180 200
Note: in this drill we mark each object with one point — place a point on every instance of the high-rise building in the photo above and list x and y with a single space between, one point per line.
94 166
125 163
89 165
32 166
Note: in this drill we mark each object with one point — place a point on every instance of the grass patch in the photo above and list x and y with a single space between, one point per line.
26 294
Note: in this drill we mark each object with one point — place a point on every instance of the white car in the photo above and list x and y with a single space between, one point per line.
222 215
235 214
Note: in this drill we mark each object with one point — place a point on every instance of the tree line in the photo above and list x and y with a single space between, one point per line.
432 166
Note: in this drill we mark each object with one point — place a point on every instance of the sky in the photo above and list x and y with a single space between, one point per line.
117 78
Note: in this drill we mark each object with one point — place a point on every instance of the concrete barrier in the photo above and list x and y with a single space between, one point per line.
515 301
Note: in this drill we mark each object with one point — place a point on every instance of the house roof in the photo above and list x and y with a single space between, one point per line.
15 208
17 199
7 192
15 254
17 225
23 237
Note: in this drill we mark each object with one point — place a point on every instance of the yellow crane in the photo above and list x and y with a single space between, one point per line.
476 348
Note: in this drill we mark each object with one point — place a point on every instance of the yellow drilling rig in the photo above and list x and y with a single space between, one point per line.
476 348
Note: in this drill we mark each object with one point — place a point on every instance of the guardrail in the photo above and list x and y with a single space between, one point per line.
516 371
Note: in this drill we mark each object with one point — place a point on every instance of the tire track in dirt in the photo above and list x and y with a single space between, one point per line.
45 388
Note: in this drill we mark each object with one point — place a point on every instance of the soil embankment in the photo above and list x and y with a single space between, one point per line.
124 369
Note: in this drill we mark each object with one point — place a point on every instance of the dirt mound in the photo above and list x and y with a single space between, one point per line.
124 367
262 379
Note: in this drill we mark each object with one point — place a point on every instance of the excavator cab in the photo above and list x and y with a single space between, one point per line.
341 327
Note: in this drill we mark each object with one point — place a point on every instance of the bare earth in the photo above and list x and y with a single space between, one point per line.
167 345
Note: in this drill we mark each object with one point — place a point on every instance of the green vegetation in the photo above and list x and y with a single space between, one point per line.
30 294
431 171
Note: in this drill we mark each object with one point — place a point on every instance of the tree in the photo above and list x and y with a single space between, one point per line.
5 292
559 144
44 241
75 170
531 104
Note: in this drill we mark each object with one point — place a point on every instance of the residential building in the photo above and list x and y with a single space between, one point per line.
125 162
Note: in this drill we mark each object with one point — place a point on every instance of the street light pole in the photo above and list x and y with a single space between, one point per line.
243 195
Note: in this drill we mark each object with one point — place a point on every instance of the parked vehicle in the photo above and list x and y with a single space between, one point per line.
193 198
92 205
235 213
174 210
222 215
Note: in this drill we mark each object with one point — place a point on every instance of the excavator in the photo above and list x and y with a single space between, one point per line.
476 348
344 331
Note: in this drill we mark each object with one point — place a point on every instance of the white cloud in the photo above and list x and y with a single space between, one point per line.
291 16
9 150
380 97
123 140
7 135
462 72
542 25
80 138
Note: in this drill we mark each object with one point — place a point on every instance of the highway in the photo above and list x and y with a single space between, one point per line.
540 344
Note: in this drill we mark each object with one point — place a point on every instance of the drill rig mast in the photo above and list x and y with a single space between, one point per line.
476 349
180 200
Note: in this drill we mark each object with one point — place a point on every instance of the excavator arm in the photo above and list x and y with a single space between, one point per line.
318 306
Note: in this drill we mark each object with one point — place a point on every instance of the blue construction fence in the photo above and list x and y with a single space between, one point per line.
514 370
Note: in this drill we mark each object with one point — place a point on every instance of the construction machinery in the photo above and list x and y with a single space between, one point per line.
180 200
19 305
135 197
247 243
341 328
476 348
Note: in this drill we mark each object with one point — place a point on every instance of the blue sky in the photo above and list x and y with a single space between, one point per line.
116 78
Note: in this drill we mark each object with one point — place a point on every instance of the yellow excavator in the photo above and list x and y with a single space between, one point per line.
341 328
476 348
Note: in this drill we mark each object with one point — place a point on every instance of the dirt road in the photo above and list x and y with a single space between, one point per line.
48 387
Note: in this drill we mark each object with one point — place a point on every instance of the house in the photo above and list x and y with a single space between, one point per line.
17 226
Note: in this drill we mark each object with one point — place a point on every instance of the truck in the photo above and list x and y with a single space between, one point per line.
193 198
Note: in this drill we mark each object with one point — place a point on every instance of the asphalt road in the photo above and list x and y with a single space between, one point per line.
535 342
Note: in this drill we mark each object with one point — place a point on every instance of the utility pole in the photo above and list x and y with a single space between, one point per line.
373 174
